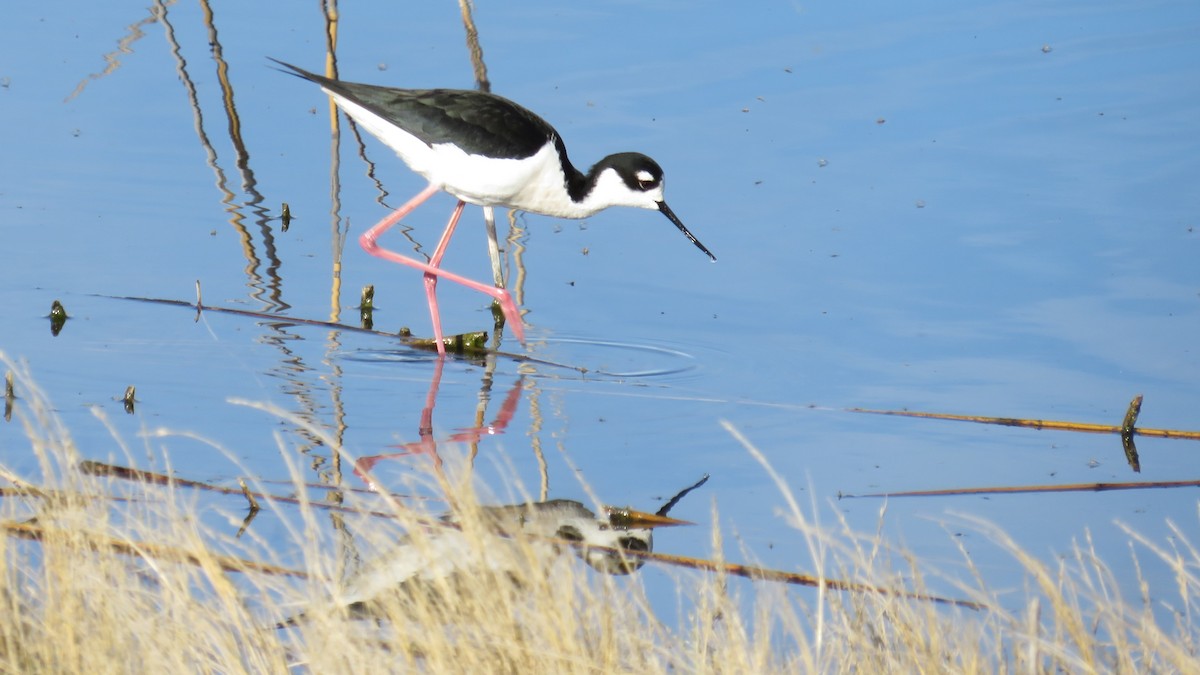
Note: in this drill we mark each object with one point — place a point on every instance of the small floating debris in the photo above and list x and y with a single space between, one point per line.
251 512
1128 429
10 396
366 307
367 298
58 317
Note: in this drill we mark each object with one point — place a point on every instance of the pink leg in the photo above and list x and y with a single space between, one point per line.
433 269
431 279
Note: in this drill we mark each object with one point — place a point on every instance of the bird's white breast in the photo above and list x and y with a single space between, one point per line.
535 184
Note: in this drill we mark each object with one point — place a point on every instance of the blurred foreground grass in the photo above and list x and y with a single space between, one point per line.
165 600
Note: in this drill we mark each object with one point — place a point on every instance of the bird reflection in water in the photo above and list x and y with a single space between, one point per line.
505 544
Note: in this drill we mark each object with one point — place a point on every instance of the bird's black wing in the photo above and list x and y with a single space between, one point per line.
480 123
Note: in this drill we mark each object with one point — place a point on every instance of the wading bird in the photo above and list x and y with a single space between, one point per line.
446 557
484 149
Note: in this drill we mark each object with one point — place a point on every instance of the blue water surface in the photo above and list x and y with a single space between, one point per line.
984 209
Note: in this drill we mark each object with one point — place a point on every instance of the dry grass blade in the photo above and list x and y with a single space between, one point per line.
1023 489
92 540
1125 427
796 578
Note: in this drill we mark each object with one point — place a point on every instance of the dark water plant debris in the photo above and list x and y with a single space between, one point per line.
472 344
463 343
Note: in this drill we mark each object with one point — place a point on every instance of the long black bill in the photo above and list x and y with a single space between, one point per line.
629 519
666 211
666 508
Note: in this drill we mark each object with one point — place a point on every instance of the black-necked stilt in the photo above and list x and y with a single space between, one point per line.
487 150
445 556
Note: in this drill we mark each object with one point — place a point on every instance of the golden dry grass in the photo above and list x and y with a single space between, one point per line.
76 602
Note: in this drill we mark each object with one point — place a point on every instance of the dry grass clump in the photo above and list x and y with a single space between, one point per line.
96 585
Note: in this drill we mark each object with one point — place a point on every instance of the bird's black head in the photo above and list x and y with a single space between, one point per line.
637 171
633 179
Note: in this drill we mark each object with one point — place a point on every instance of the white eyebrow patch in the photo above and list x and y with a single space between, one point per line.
644 176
